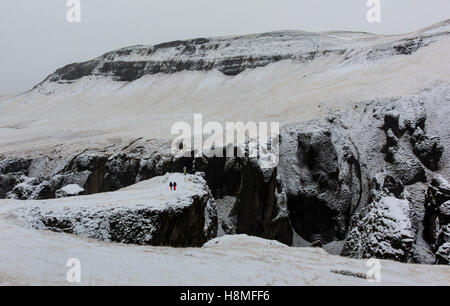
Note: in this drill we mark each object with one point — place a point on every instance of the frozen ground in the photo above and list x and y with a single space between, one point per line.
30 257
39 257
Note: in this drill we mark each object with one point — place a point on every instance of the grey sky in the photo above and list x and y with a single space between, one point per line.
36 39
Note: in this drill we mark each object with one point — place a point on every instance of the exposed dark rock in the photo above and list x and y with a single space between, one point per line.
187 220
7 183
259 210
228 55
428 149
337 170
74 71
14 165
322 173
84 162
120 171
43 191
317 244
408 46
157 164
24 190
124 71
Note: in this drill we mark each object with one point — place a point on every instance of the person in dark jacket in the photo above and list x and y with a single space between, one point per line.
170 184
175 186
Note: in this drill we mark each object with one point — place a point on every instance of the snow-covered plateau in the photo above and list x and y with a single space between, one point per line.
364 164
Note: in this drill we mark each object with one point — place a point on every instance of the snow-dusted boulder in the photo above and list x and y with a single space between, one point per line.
443 254
437 218
427 148
147 213
69 191
384 232
24 190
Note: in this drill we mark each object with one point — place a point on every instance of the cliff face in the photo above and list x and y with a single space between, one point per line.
145 214
233 55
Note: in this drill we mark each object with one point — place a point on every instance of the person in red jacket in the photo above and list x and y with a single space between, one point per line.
175 186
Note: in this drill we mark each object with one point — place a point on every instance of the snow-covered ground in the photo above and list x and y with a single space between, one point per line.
30 257
39 257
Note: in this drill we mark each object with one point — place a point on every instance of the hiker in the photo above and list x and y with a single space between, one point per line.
175 186
170 184
184 170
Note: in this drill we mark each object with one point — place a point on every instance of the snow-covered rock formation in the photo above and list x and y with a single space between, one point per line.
336 169
147 214
384 232
437 218
233 55
259 206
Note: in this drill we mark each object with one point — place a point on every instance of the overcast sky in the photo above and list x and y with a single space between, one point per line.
36 38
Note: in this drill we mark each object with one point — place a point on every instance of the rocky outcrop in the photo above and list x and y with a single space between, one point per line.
14 165
260 205
7 183
149 216
336 170
261 208
322 174
428 149
437 218
233 55
120 171
384 232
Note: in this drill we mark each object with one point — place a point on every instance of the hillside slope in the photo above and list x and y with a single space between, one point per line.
282 76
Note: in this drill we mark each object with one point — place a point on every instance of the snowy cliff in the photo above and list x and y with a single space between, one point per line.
233 55
147 214
282 76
